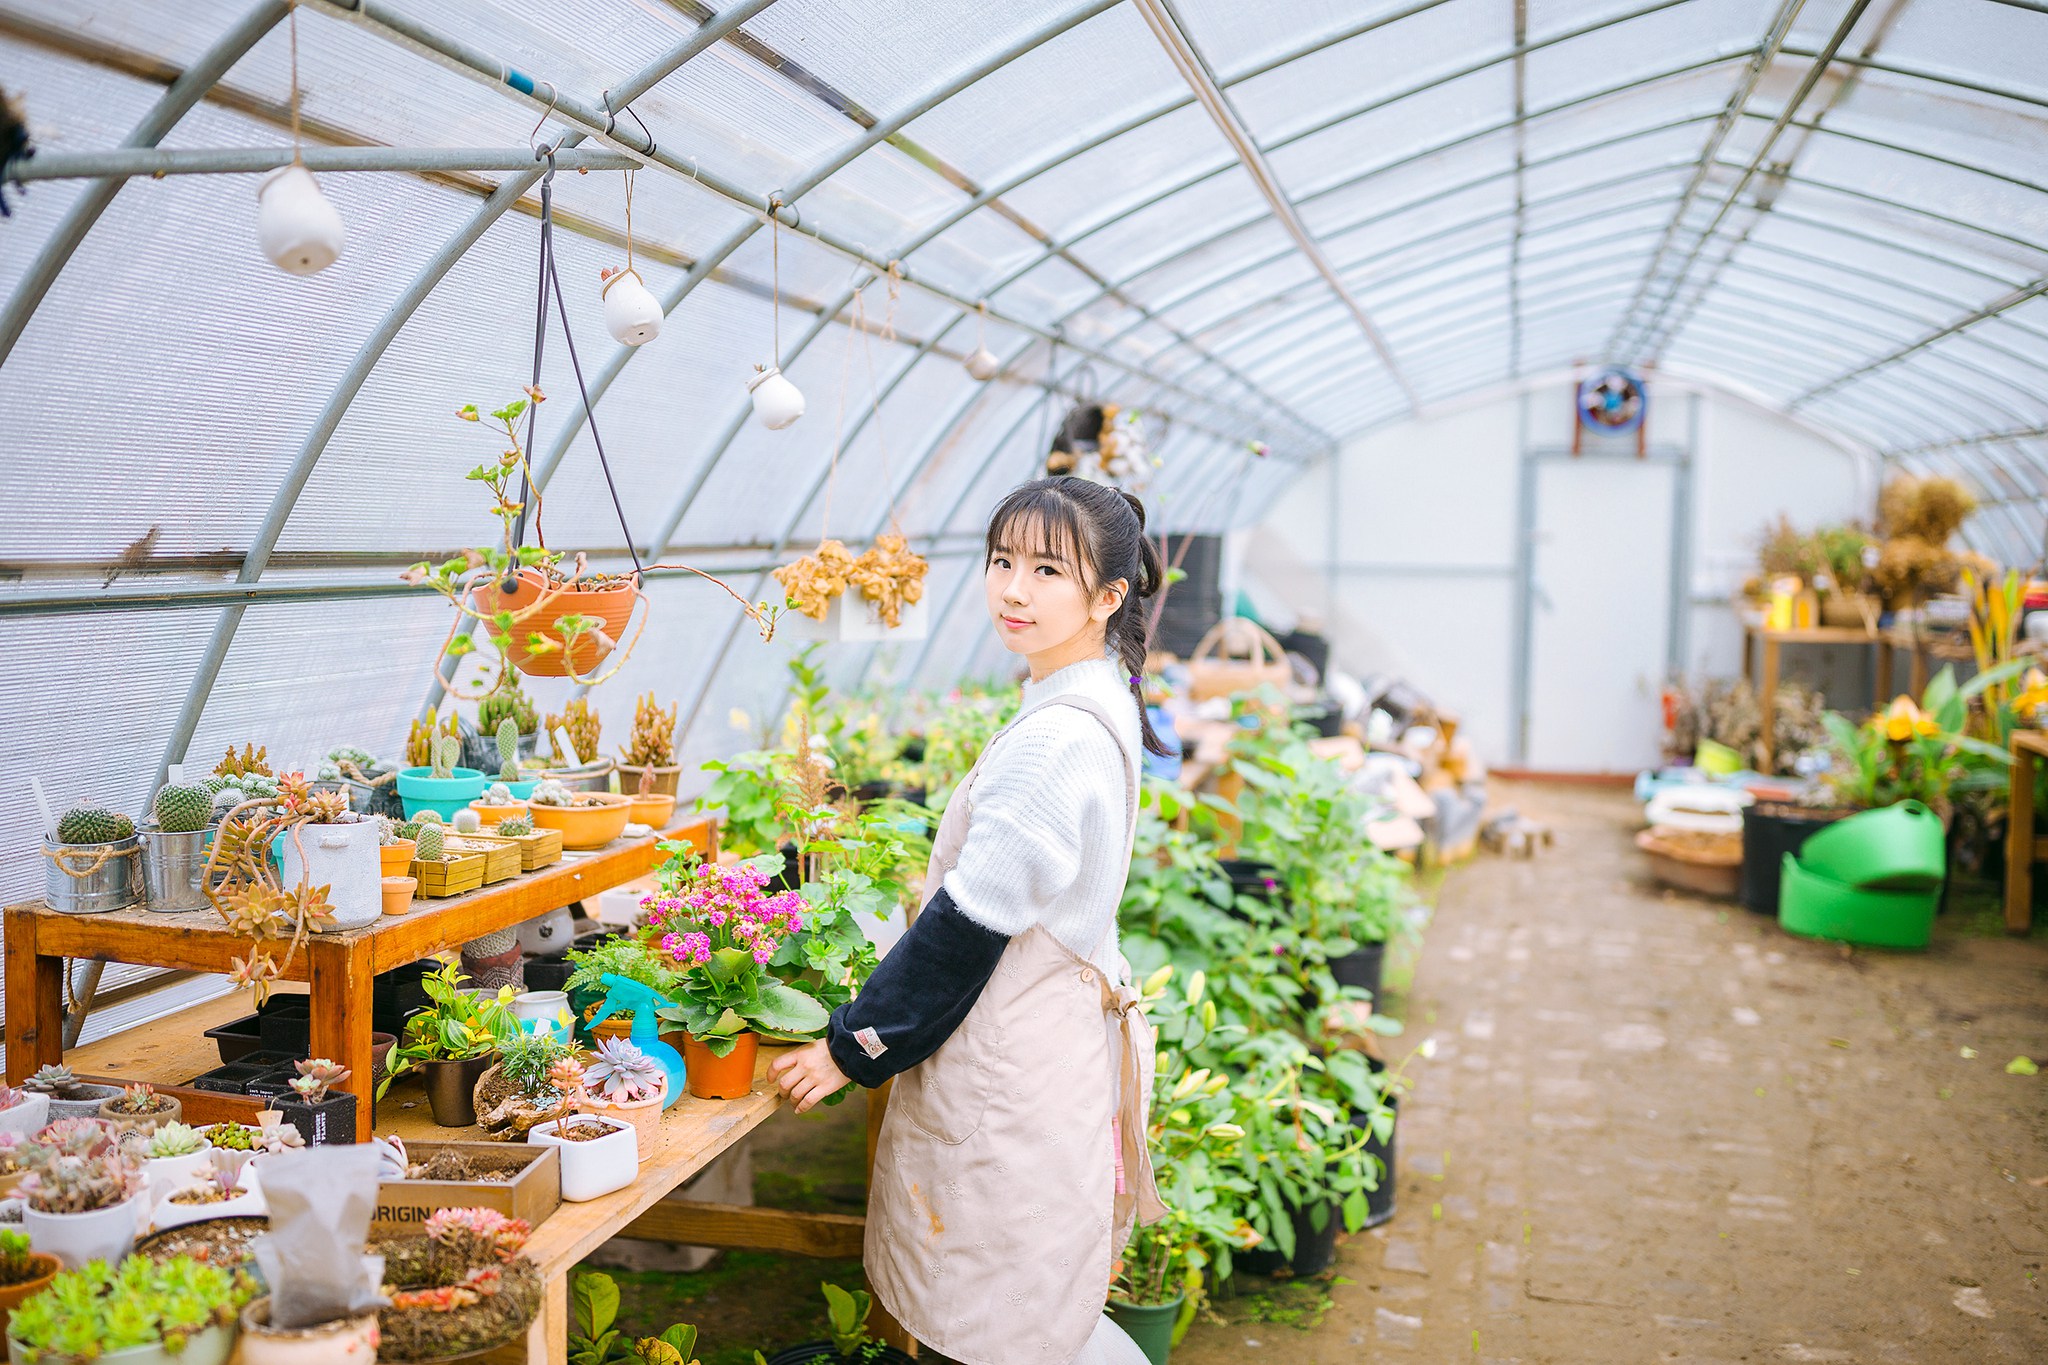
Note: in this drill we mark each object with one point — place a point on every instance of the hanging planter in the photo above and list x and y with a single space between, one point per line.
296 226
981 362
562 628
777 402
879 595
631 312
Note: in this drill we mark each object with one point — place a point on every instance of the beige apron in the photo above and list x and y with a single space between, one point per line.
1012 1161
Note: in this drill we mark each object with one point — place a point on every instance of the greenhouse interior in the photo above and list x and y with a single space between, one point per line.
1488 802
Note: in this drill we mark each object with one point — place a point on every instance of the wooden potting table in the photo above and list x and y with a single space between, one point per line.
2022 849
1767 688
337 967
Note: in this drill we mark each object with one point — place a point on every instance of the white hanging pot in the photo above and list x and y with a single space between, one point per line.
296 227
777 402
983 365
631 312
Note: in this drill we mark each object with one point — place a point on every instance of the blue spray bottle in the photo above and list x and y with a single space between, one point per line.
623 993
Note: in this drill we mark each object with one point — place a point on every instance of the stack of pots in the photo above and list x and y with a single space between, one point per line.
1872 879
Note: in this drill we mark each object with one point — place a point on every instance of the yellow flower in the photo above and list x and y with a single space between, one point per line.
1902 720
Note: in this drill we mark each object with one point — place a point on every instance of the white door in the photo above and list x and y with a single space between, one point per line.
1599 614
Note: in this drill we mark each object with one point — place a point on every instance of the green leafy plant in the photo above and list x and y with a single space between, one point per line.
528 1060
1920 751
453 1027
747 793
593 1340
722 931
622 956
95 1310
17 1258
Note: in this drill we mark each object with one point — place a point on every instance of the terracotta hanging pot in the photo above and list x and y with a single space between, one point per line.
613 606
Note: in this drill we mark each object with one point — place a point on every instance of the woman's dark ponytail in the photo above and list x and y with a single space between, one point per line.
1107 527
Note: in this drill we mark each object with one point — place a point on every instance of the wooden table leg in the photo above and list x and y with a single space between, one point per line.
35 1002
880 1321
1884 675
341 987
1767 706
2019 846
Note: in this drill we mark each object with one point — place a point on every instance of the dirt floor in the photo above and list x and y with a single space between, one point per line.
1656 1129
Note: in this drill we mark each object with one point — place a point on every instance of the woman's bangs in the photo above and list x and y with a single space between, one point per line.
1041 523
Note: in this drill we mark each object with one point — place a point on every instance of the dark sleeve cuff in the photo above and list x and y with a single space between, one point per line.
917 997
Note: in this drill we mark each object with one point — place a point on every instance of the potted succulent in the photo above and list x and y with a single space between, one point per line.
174 848
69 1097
598 1154
23 1111
878 594
581 768
499 802
536 1078
140 1109
846 1312
174 1153
89 862
394 850
81 1193
585 819
441 785
648 766
255 900
451 1042
626 1084
489 749
23 1273
220 1189
325 843
321 1113
460 1290
145 1312
722 930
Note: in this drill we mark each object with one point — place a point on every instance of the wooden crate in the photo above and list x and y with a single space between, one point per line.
501 856
538 849
450 876
532 1194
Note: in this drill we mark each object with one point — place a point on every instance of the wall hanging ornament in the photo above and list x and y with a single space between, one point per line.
296 227
777 402
543 619
981 363
631 312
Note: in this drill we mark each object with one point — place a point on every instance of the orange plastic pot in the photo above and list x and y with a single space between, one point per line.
721 1078
396 858
612 606
491 814
599 818
653 810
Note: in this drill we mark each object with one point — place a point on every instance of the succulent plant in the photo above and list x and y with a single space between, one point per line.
181 810
654 735
580 723
97 1310
516 826
429 839
622 1073
69 1137
233 1137
251 762
478 1236
9 1096
316 1077
389 832
276 1135
508 749
508 702
17 1264
55 1079
140 1098
550 792
498 794
93 825
468 821
175 1139
446 749
81 1184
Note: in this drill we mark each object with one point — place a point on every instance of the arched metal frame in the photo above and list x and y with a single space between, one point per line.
1903 394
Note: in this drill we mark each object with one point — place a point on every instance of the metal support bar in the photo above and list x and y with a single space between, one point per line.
1990 310
125 163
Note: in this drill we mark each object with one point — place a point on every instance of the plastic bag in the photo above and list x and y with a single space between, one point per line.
321 1201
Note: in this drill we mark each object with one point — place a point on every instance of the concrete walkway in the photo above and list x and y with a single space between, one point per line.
1658 1129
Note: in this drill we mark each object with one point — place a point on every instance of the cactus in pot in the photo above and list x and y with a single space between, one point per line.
182 810
446 750
93 825
468 821
508 749
430 840
516 827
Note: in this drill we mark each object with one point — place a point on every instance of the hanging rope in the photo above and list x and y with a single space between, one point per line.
292 25
775 268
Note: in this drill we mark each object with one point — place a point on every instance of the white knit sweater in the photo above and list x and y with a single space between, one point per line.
1047 816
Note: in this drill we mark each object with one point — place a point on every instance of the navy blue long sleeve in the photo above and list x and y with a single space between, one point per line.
918 995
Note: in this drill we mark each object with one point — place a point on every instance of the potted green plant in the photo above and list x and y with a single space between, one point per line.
508 702
23 1273
441 786
174 848
648 765
536 1078
624 956
846 1313
89 862
138 1108
80 1193
254 898
451 1042
173 1153
145 1312
594 1307
721 932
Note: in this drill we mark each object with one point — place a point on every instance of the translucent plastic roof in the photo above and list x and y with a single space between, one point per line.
1284 222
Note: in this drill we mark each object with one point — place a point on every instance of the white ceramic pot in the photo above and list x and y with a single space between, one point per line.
248 1202
543 1011
75 1238
631 312
344 859
28 1116
549 935
983 365
777 402
167 1173
210 1347
350 1341
593 1169
296 227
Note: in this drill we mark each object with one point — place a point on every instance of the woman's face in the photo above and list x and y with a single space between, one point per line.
1039 604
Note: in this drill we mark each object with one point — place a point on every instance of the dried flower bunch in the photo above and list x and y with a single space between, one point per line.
890 575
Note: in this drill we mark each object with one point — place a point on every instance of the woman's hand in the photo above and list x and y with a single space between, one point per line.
808 1074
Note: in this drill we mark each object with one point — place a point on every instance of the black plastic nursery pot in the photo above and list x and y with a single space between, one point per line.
285 1024
1314 1251
1249 877
1363 968
547 974
329 1123
232 1079
397 994
1379 1203
237 1038
1770 830
824 1351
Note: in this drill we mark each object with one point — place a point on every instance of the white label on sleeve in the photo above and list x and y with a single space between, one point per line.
870 1042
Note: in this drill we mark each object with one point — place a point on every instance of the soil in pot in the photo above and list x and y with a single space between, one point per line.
467 1166
42 1269
167 1110
224 1242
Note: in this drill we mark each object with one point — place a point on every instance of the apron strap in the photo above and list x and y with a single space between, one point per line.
1137 1190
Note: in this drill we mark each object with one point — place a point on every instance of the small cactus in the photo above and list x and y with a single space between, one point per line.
447 748
498 794
93 825
516 827
508 749
549 792
429 838
181 810
468 821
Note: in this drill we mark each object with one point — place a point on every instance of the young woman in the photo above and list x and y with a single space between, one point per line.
1012 1160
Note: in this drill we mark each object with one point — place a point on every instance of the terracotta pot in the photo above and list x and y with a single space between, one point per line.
174 1112
491 814
349 1341
612 606
617 1026
396 858
721 1078
398 894
663 782
586 826
42 1269
643 1115
653 811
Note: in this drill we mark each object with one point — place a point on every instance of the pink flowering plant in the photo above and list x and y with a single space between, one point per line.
722 929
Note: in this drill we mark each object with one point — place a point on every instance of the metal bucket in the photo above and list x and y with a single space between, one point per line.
588 777
89 879
174 868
